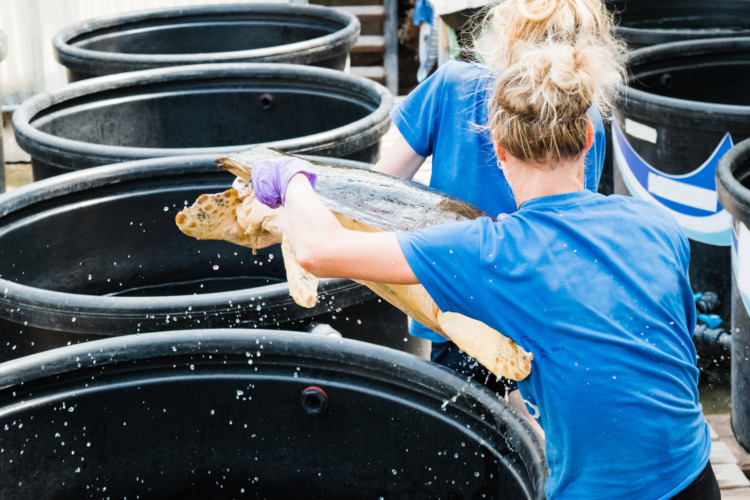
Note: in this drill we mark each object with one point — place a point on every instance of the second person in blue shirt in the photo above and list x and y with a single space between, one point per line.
446 117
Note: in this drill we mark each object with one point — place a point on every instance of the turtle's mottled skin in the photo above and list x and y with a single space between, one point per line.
362 200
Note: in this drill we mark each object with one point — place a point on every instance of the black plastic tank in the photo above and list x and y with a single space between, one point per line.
230 414
733 183
684 107
3 54
97 253
650 22
642 23
299 34
211 108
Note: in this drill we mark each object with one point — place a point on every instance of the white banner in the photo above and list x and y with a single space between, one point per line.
30 25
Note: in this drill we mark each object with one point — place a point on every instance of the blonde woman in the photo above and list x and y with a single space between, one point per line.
596 287
446 116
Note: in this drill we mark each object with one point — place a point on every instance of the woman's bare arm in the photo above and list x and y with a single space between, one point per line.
400 159
327 250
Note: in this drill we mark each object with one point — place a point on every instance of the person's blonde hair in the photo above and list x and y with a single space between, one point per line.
540 102
535 21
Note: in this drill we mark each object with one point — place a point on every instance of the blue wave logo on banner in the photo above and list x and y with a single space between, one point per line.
691 198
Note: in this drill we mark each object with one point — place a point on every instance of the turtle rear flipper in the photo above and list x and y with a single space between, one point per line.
498 353
303 286
234 167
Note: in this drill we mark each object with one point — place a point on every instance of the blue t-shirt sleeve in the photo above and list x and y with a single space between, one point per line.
418 114
446 261
594 162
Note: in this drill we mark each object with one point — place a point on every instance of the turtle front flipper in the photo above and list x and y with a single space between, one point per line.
498 353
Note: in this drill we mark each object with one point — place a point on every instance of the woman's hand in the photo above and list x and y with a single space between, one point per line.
322 246
270 178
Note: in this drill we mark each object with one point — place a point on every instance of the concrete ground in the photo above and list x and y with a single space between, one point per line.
731 463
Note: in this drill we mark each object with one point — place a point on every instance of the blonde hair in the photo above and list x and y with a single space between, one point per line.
540 102
536 21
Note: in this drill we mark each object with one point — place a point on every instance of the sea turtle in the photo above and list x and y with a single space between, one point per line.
362 200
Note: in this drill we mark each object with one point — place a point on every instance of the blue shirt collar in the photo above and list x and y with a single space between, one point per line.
557 200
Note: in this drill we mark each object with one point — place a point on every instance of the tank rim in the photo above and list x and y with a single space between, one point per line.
676 50
49 148
314 49
47 305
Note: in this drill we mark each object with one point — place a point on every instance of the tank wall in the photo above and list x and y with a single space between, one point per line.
231 421
680 14
740 305
120 240
112 243
714 83
195 118
644 23
370 320
740 373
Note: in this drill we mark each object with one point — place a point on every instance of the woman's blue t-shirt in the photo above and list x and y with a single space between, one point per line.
597 289
445 117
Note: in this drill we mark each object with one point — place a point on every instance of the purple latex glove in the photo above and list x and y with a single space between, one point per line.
271 177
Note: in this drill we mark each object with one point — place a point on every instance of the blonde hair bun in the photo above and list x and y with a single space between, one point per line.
540 101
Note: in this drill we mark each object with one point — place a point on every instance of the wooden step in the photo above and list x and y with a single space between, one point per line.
370 44
365 12
377 47
372 18
375 73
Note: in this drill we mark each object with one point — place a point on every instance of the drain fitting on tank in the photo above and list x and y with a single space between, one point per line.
314 400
